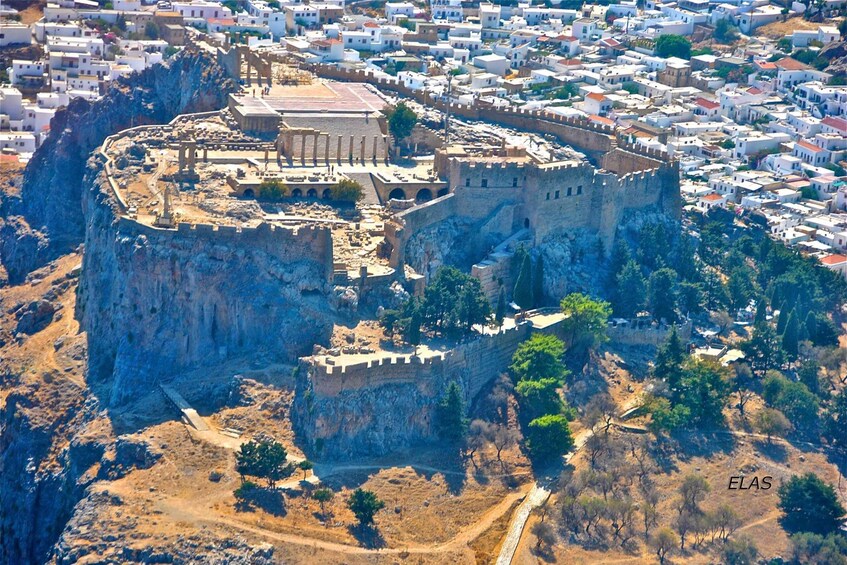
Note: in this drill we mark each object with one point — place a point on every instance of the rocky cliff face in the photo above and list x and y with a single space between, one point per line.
46 219
158 302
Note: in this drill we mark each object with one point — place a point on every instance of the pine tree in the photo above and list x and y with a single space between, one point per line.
669 361
500 312
631 291
523 285
538 282
413 335
451 422
781 320
791 337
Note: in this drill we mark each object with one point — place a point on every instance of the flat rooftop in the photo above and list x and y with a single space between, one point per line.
334 97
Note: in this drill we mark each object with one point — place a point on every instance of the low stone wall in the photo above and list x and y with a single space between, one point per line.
648 335
377 406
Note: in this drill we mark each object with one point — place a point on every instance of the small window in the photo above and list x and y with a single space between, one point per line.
557 195
484 183
467 182
569 190
515 182
579 189
548 196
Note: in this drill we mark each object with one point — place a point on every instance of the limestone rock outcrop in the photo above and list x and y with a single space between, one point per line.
46 219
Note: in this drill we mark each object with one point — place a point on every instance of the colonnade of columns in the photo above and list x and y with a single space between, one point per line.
357 149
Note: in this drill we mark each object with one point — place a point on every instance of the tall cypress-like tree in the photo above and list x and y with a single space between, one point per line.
781 320
500 312
791 337
631 290
523 285
761 311
538 281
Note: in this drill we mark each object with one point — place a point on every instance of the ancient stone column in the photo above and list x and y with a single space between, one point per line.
376 140
362 149
303 149
181 157
192 156
385 148
326 148
338 152
206 154
350 152
315 148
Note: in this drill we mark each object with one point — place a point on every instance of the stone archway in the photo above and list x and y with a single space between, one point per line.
443 192
297 193
424 195
249 193
312 193
327 194
397 194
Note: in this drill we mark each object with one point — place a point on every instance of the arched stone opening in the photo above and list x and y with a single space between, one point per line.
312 193
424 195
249 193
397 194
297 193
327 194
443 192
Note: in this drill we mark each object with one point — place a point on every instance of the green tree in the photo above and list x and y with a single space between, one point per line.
705 390
819 550
323 495
548 437
454 302
791 337
538 282
539 357
662 294
500 311
793 399
664 541
273 190
665 417
347 190
538 397
741 551
725 32
810 505
764 349
673 46
305 466
264 458
772 423
586 321
451 422
630 291
835 426
364 504
523 285
413 332
669 360
401 121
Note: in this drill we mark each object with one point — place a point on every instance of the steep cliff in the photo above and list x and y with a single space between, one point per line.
157 302
46 219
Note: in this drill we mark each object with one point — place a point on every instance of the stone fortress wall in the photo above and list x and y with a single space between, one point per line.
157 301
376 406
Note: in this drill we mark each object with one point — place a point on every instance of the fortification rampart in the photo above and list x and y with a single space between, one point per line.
343 406
648 334
596 139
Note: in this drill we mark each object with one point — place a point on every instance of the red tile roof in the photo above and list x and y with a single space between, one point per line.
789 64
833 259
601 119
708 104
712 197
596 96
838 123
810 146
